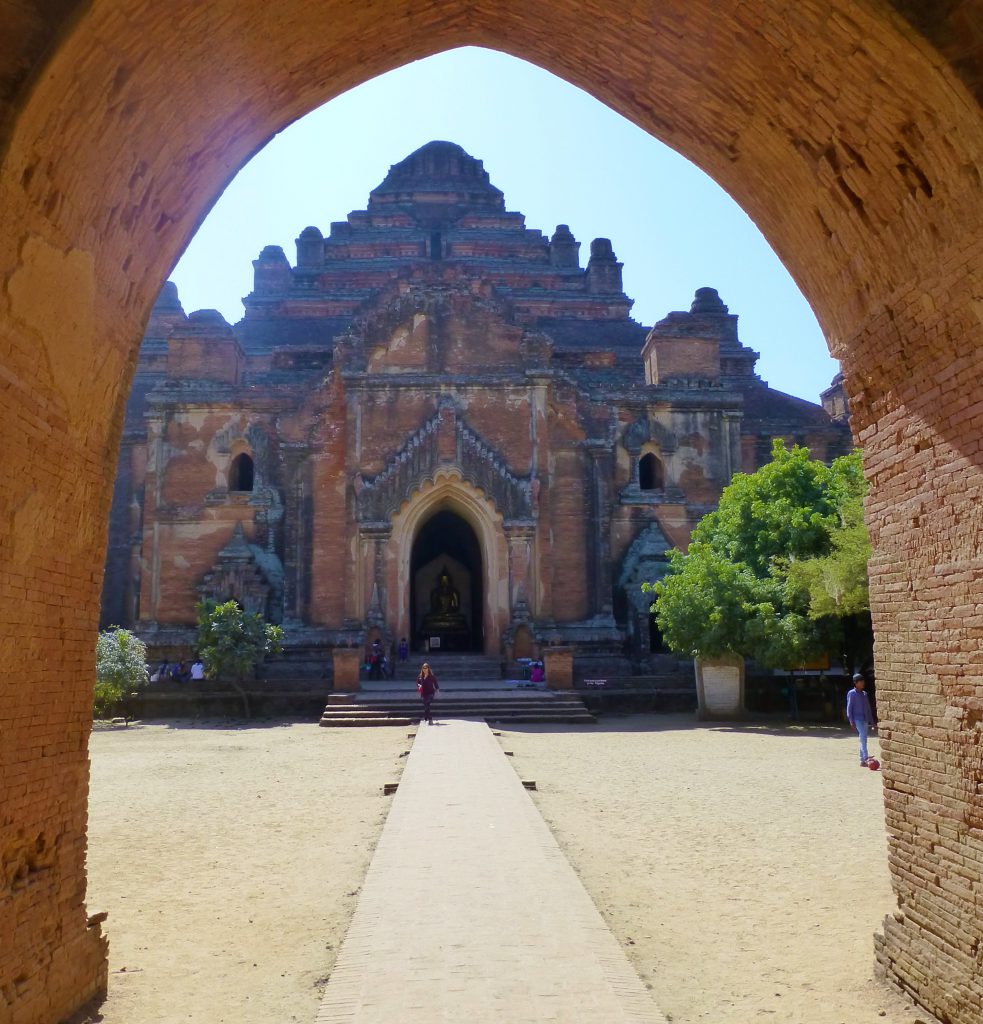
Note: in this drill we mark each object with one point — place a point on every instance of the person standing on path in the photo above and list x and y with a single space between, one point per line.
859 715
427 686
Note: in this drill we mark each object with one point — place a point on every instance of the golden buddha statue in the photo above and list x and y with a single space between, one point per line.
446 620
444 598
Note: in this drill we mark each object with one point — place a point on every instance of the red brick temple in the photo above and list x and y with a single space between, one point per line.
436 424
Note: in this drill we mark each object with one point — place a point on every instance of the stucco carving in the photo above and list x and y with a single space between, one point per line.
378 498
247 573
644 562
645 429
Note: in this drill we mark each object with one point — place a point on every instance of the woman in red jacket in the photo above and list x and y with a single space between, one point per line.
426 684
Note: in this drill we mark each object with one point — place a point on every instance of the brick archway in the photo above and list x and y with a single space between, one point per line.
850 130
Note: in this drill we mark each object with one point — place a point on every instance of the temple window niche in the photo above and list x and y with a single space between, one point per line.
651 475
241 473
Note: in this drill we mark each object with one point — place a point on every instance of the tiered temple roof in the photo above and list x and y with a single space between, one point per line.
437 212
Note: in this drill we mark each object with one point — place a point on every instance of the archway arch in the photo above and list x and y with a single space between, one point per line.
449 495
850 134
446 585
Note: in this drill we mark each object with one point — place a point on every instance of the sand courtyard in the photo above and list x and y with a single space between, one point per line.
742 868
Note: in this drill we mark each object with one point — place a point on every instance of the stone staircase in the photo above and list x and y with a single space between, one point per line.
457 667
494 706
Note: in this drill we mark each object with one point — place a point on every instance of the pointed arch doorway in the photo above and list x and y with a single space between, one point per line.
446 585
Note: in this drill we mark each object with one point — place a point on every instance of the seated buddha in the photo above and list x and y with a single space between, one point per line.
445 618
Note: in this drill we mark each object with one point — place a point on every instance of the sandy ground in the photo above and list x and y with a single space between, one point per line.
229 860
743 869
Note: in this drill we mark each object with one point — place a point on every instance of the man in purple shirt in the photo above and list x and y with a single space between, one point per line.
859 715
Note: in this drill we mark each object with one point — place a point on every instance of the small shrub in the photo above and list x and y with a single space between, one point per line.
232 643
121 667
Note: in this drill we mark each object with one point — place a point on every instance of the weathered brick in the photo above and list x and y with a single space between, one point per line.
850 132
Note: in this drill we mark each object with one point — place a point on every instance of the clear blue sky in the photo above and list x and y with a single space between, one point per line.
559 156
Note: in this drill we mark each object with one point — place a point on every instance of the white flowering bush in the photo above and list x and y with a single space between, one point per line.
121 667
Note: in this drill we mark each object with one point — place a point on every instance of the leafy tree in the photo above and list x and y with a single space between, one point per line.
232 642
836 582
734 590
781 512
121 667
702 602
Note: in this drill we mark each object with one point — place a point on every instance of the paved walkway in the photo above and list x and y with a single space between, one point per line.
470 913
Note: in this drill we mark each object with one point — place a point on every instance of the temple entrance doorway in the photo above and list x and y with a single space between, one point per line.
446 586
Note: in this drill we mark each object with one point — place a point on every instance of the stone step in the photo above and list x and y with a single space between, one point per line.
456 666
336 722
500 708
329 721
462 711
529 703
578 718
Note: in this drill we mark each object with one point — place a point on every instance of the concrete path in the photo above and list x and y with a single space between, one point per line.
470 913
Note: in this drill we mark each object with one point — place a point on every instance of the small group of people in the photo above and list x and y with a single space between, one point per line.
379 665
178 671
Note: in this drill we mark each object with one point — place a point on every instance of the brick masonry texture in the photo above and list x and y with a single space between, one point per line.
850 131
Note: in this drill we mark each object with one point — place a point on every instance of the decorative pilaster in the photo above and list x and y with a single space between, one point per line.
377 535
520 540
296 537
601 470
731 447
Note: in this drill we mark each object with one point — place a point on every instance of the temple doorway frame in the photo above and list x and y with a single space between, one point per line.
460 558
449 492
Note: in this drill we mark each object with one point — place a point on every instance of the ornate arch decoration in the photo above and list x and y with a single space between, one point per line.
247 573
378 498
645 561
252 440
645 429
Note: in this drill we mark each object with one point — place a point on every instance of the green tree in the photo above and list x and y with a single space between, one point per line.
734 590
836 584
121 667
232 643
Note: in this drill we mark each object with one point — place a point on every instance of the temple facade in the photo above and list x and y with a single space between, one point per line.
436 424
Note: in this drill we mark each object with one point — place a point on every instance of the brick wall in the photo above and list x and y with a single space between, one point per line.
853 144
671 359
924 456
